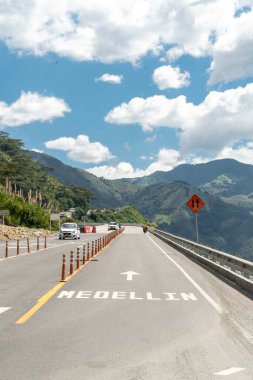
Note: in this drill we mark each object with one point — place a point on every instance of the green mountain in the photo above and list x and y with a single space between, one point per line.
225 177
221 225
105 193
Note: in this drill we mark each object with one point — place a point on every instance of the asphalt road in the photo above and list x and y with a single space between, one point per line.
170 319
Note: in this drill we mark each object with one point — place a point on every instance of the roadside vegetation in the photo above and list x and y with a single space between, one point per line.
126 214
28 191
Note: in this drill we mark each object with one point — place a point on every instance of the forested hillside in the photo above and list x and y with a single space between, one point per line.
105 193
26 185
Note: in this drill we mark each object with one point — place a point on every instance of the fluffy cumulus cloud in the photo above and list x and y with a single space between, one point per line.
170 77
80 149
166 160
242 153
233 51
114 30
110 78
221 119
31 107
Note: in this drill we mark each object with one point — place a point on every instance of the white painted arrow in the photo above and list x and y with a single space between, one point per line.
3 309
130 275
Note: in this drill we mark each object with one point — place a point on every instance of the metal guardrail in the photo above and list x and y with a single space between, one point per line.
233 268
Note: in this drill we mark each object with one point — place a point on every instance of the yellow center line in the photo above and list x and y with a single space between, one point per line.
46 297
40 303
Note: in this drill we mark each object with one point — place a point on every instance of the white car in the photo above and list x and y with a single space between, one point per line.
69 230
113 226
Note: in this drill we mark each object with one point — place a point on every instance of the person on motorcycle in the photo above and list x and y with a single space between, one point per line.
145 228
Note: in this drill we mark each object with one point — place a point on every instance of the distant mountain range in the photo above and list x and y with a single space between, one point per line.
227 177
226 186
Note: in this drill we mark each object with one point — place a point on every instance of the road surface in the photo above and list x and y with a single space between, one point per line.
138 310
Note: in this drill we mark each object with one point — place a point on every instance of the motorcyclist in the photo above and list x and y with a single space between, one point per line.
145 228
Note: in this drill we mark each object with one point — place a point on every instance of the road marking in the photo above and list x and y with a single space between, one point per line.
3 309
121 295
40 303
46 297
32 252
130 275
229 371
194 283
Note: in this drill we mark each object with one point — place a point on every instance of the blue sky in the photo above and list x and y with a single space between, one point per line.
125 88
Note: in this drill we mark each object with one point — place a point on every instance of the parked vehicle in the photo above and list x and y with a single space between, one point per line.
69 230
113 226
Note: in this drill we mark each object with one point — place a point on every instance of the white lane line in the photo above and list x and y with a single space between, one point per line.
40 250
229 371
204 294
3 309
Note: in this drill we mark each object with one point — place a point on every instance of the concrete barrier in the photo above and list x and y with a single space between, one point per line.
87 229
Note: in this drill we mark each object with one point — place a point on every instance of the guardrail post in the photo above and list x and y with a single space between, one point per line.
28 245
45 242
63 271
92 249
18 247
6 249
38 243
71 269
77 258
96 246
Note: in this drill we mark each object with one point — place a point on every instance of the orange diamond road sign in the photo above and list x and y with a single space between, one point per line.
195 203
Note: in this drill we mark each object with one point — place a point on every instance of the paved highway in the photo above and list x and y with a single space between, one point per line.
138 310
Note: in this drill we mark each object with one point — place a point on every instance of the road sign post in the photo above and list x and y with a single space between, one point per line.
4 213
54 217
195 203
197 229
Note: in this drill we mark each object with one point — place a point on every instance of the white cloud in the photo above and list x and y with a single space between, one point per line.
166 160
80 149
37 150
31 107
221 119
151 139
109 78
242 153
170 77
112 30
233 51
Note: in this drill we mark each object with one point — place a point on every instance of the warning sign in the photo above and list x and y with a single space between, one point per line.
195 203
